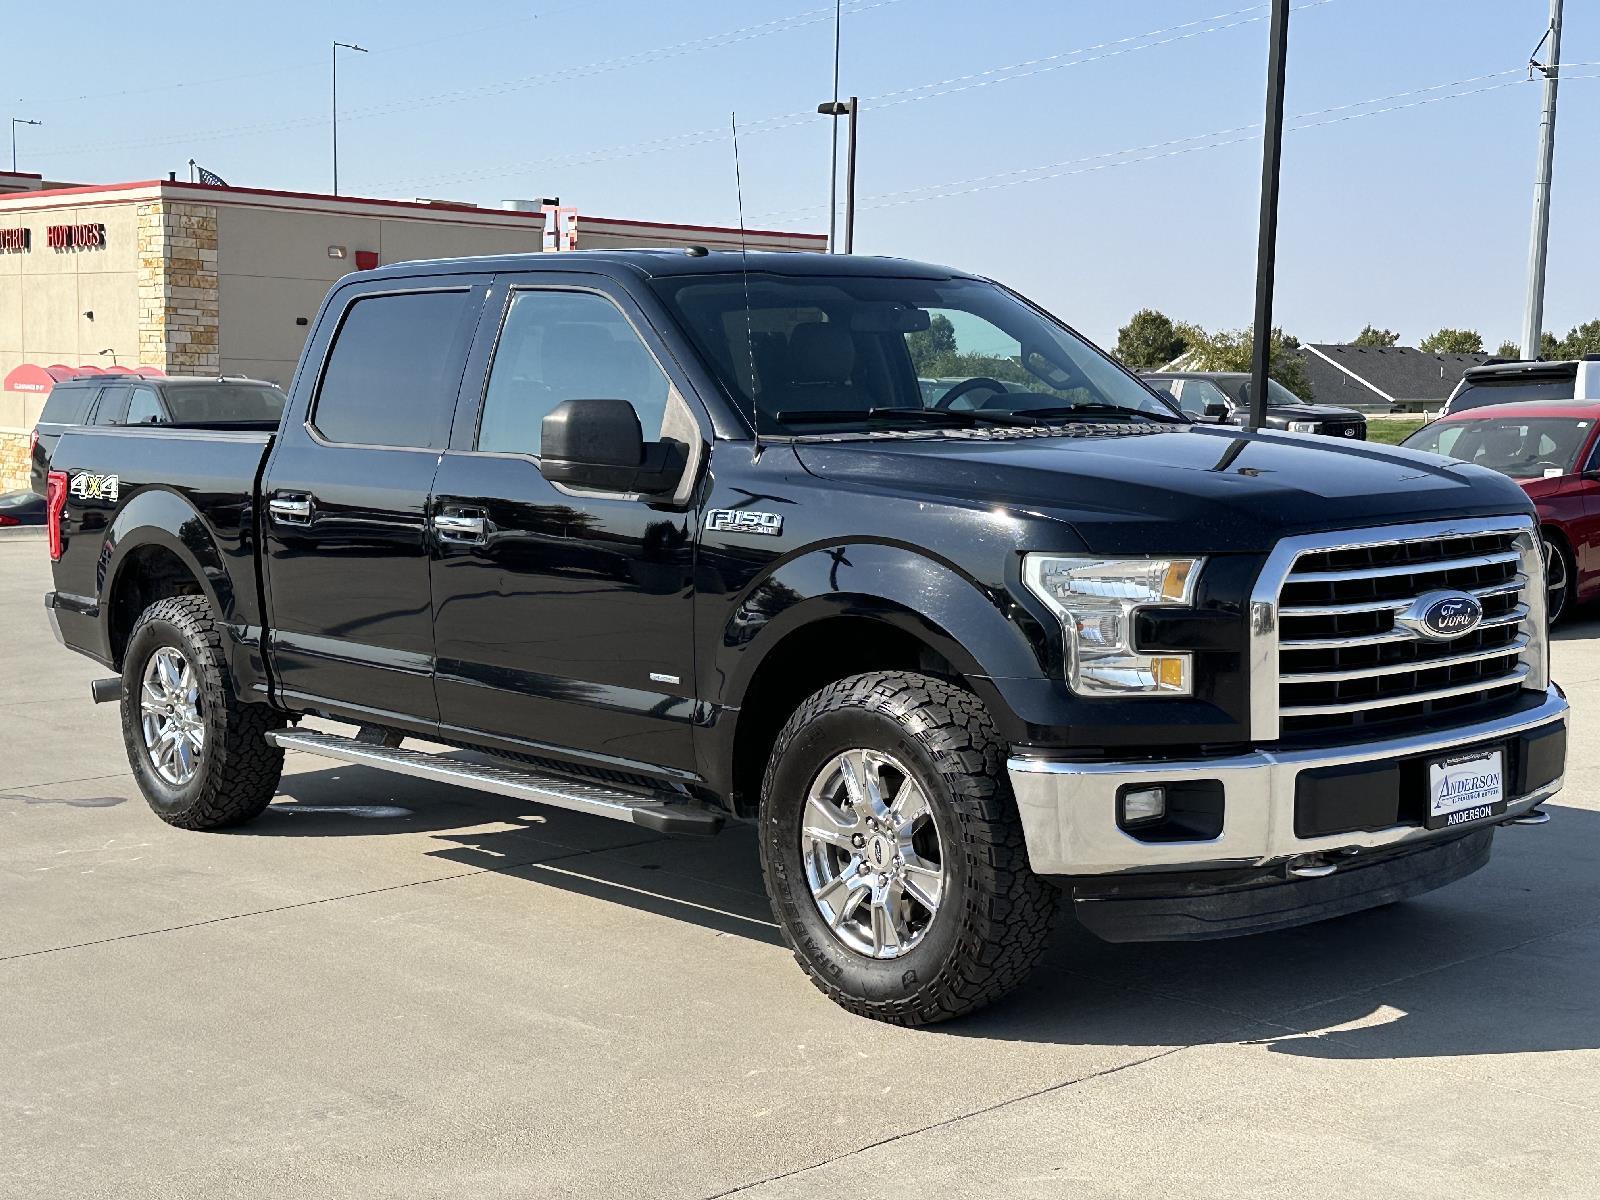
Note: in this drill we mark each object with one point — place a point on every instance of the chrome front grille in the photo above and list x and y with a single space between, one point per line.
1331 657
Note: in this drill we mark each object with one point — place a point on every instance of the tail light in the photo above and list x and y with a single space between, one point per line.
5 521
55 499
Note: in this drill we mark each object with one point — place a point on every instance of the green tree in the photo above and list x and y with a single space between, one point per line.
1377 338
1508 350
1580 340
1149 340
1549 348
937 341
1230 350
1452 341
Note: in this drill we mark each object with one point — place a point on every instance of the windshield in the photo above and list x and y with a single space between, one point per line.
1477 395
194 403
1521 447
846 353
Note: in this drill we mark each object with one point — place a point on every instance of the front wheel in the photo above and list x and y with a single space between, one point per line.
1559 577
200 753
893 854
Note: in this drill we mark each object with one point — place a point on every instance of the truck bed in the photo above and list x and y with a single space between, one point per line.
188 492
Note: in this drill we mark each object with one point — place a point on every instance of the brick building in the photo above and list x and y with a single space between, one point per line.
187 279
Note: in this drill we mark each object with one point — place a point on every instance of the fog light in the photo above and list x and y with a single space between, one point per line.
1145 804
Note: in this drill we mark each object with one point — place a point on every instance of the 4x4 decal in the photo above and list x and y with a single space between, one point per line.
85 486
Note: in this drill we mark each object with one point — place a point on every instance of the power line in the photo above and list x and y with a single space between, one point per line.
926 91
1172 148
306 65
715 41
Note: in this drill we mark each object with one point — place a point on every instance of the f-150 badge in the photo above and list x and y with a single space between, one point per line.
85 486
744 520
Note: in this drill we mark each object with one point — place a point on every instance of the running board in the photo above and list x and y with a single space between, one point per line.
654 812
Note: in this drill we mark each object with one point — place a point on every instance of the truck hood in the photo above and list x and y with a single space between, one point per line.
1310 412
1196 489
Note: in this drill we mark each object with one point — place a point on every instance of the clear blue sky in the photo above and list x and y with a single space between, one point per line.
1411 219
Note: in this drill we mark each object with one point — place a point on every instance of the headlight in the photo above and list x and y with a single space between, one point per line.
1095 599
1302 426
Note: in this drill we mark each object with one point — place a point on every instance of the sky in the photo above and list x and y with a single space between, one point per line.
1100 156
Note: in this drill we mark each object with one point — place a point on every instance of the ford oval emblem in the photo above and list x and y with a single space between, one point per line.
1441 616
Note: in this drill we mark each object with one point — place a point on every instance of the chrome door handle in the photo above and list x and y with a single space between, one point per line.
458 527
290 510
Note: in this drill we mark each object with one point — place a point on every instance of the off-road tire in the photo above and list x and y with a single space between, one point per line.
238 771
995 915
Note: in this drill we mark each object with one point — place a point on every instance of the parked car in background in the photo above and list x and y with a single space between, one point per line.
1523 382
1549 447
21 508
1199 393
134 400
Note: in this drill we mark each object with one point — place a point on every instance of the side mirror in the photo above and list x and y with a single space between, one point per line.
1216 410
598 444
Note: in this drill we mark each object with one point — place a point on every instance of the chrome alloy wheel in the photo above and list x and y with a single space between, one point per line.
169 715
1555 565
872 853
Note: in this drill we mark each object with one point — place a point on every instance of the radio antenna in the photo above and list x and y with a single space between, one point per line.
744 271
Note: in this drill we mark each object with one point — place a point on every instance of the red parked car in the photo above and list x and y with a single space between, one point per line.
1549 447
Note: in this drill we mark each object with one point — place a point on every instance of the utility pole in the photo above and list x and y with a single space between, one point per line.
15 121
1267 244
837 109
1539 244
833 142
337 46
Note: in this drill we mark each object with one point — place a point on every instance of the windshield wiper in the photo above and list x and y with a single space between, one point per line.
941 417
1035 415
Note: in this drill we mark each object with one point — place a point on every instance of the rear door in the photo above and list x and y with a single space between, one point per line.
563 619
346 492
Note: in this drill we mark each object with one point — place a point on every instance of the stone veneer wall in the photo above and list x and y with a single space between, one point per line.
178 287
15 463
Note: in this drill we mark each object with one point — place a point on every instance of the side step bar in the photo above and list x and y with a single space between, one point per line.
652 811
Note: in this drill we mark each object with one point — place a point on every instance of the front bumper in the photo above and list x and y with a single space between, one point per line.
1069 809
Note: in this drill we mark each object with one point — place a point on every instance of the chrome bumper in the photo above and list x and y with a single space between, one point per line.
1069 809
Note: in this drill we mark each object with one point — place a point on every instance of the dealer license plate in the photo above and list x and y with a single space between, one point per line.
1466 788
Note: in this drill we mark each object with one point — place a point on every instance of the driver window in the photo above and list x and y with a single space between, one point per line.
145 408
557 346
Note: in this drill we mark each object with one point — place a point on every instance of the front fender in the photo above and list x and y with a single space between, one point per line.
978 629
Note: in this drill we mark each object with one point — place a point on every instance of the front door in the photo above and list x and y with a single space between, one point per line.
563 619
346 493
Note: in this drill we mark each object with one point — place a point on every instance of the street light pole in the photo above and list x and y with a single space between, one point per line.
837 109
337 46
15 121
1539 243
1267 244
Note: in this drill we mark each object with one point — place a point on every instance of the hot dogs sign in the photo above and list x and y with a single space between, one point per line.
60 238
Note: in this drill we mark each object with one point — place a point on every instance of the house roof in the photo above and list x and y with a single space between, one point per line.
1372 375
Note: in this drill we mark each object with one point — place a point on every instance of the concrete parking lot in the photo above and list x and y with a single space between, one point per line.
385 988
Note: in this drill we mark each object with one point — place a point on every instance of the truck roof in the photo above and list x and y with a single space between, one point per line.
1578 409
676 261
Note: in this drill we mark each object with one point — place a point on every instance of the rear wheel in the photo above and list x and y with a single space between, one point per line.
200 754
893 853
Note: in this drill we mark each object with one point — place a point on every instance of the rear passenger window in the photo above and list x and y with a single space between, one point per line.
67 405
392 374
559 346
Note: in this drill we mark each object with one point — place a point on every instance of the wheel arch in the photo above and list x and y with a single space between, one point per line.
157 546
792 634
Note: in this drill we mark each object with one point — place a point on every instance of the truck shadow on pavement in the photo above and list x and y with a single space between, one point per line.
1506 961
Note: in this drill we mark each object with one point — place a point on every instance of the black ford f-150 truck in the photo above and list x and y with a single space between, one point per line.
676 536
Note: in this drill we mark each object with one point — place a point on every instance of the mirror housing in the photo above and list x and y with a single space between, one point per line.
598 444
1216 410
